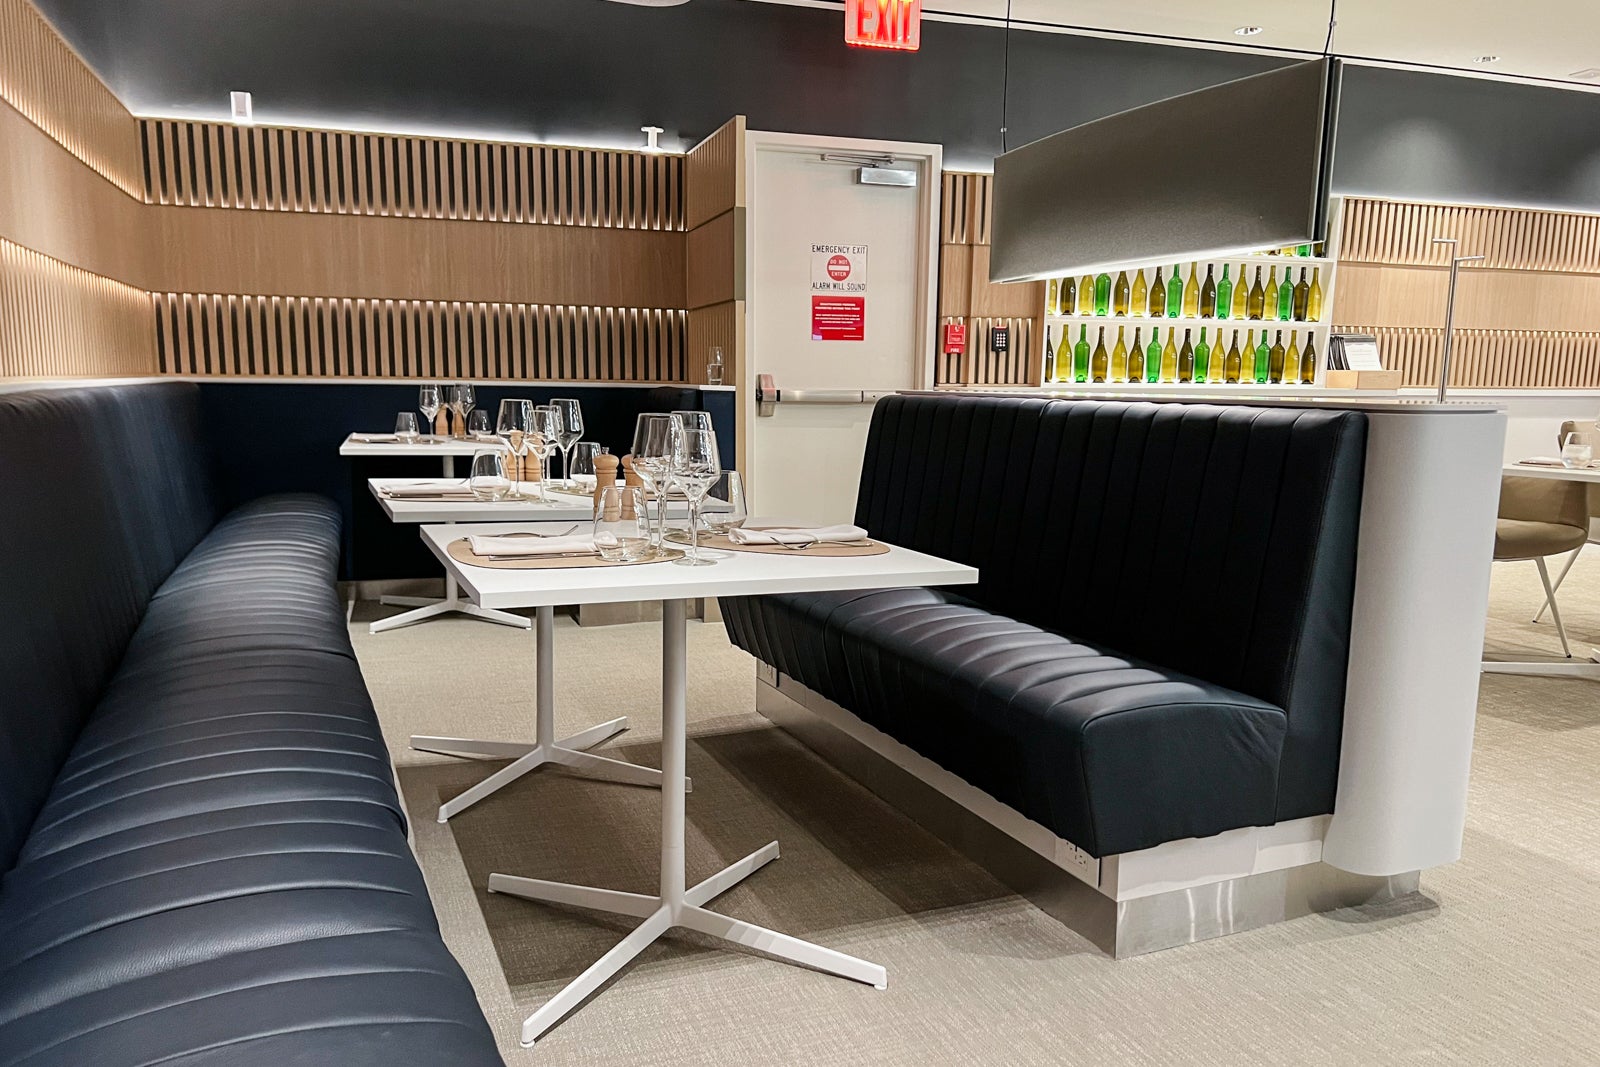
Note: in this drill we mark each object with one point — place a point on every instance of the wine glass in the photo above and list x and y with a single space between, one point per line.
652 459
571 431
546 433
488 479
695 465
462 398
724 508
694 420
428 403
514 427
583 454
405 426
621 531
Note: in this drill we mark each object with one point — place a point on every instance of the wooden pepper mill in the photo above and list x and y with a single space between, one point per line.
441 422
605 474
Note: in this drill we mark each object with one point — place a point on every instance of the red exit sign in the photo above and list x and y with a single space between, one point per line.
895 24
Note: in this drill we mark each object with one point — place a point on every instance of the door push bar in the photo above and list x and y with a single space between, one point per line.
769 395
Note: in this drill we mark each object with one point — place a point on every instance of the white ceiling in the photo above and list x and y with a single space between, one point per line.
1544 39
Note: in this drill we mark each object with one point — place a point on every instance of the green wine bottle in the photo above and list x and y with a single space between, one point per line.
1308 361
1102 294
1186 359
1101 364
1158 297
1275 361
1136 355
1208 296
1174 295
1080 357
1302 297
1141 296
1263 359
1258 298
1152 356
1224 295
1241 296
1202 358
1120 296
1233 364
1286 298
1049 358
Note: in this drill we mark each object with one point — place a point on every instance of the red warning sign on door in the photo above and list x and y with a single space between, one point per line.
838 318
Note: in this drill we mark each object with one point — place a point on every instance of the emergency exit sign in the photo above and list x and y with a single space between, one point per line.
893 24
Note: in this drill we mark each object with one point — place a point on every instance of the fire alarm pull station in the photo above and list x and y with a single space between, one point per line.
955 338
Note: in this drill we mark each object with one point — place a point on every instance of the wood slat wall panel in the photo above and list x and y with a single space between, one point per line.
276 168
710 260
714 174
60 321
1489 359
228 335
1020 365
1401 233
43 78
721 325
966 294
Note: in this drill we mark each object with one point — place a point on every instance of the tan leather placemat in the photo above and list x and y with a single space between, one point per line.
461 552
723 543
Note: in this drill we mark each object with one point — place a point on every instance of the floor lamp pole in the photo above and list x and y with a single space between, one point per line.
1450 310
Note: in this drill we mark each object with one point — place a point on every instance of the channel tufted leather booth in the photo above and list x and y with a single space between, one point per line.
205 858
1157 644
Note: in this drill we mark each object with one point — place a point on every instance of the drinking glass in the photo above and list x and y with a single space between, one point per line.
488 478
694 420
546 434
583 454
571 430
621 531
1576 451
405 426
428 403
723 508
462 397
478 424
652 460
695 465
514 427
714 366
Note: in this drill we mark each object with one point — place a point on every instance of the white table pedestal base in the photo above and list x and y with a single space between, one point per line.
673 906
544 749
429 607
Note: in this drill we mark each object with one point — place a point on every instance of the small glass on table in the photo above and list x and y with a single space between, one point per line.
488 479
621 530
583 473
478 424
405 427
1576 451
723 508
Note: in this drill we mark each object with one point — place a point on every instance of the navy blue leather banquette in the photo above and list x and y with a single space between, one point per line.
205 858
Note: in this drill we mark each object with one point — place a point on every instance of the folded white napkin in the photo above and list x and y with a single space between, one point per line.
797 535
1541 461
530 546
374 438
437 487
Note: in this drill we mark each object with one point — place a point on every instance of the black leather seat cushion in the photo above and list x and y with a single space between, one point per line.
1157 645
219 873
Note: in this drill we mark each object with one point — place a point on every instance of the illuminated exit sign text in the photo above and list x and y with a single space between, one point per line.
895 24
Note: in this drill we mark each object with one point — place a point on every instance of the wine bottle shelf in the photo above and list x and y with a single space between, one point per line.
1183 322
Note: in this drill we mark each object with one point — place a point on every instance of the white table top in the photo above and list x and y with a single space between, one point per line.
425 446
1591 474
562 507
735 574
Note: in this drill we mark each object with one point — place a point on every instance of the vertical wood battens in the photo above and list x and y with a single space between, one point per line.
57 320
313 337
965 293
270 168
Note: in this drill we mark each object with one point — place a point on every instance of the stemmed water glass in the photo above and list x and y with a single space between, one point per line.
695 465
652 461
571 431
428 403
514 427
546 434
463 398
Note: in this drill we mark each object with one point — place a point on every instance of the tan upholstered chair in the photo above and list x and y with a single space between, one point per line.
1542 517
1593 436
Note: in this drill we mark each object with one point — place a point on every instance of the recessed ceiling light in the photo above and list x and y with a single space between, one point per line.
1488 59
1247 31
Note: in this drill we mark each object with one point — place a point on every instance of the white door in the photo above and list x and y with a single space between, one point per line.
840 288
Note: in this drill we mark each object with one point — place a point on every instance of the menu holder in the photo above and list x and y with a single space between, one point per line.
1355 362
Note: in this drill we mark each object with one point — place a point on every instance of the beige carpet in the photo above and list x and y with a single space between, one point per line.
1499 964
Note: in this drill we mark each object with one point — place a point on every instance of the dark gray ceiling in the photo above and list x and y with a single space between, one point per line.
591 72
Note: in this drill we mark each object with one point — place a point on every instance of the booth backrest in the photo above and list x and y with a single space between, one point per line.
1215 541
105 492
